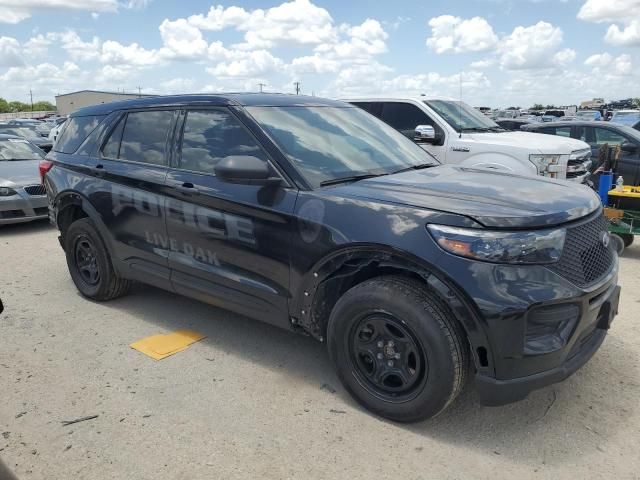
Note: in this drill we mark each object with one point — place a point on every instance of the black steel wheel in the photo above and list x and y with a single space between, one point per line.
397 348
388 357
627 238
86 260
89 262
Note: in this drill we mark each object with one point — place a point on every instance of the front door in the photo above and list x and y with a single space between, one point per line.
229 242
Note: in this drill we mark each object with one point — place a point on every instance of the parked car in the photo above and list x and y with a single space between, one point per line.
457 134
315 216
626 117
55 131
589 115
28 134
599 134
512 124
22 196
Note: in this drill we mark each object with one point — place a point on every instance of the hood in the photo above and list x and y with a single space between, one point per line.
552 144
493 199
19 173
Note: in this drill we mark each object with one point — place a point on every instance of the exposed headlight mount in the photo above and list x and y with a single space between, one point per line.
547 164
536 247
7 192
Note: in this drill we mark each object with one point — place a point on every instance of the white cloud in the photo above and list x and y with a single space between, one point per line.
10 52
485 63
116 53
247 64
609 10
627 36
453 34
564 57
37 46
77 49
605 65
15 11
599 60
530 47
622 65
182 41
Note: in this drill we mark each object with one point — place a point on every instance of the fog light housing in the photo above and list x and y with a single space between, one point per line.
549 328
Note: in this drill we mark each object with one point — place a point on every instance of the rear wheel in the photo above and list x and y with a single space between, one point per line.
627 238
89 263
397 348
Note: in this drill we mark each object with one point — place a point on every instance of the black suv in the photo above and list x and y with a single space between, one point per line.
315 216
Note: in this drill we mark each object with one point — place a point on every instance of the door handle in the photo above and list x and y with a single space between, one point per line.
98 170
187 188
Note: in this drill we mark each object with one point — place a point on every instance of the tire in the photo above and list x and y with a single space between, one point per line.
618 243
421 371
89 263
627 238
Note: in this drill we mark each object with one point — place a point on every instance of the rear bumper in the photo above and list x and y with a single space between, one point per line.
494 392
22 208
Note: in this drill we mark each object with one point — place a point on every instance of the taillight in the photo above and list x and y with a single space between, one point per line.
45 166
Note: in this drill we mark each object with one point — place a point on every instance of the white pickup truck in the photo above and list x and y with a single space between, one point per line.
456 133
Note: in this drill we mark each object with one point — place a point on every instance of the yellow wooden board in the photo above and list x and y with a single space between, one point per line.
163 346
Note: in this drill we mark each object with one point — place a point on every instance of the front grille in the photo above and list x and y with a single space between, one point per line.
41 211
35 190
585 259
577 167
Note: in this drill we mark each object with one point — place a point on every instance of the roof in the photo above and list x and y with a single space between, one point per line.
4 136
222 99
103 91
583 123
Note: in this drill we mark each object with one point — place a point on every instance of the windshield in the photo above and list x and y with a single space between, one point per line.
329 143
462 117
586 114
626 118
18 149
21 132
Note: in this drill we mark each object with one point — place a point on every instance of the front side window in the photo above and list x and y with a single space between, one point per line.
405 117
76 131
328 143
610 137
140 137
462 117
211 135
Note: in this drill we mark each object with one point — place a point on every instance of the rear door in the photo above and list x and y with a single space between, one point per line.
130 171
229 242
629 162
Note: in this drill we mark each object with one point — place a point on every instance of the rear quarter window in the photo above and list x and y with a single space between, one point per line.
76 130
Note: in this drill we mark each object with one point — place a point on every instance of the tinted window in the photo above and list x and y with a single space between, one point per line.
209 136
75 132
563 131
327 143
111 149
404 117
604 135
374 108
144 138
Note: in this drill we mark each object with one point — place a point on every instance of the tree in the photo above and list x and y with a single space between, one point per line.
537 106
15 106
4 106
43 106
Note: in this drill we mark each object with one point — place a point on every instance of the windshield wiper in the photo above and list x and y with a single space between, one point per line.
475 129
420 166
350 178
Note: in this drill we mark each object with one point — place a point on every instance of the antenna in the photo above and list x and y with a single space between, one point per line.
460 105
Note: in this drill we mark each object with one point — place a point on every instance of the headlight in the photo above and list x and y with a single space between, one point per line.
544 246
7 192
545 163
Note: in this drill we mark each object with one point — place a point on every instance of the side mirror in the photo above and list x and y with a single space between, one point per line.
424 133
245 169
629 147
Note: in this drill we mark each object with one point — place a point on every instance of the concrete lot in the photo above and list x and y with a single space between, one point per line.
252 401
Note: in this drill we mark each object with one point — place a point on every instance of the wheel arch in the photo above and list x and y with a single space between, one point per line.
341 270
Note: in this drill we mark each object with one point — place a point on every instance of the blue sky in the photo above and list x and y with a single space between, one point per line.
505 52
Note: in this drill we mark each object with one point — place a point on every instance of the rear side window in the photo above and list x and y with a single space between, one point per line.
76 130
141 137
211 135
405 117
374 108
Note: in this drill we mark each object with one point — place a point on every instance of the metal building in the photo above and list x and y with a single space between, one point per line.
70 102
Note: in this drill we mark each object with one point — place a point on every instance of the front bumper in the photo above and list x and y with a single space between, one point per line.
23 207
599 309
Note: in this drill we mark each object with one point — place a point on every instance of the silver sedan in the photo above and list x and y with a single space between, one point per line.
22 197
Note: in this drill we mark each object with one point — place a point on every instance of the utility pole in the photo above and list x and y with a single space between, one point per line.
139 91
31 95
297 85
262 85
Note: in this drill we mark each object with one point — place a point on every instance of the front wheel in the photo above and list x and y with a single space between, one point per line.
89 263
397 348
